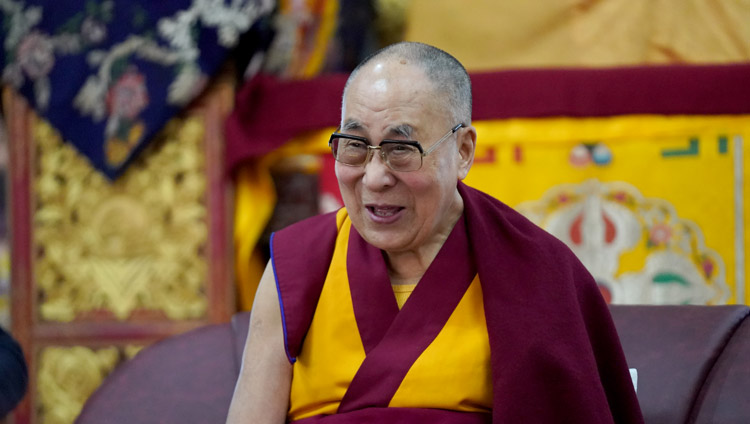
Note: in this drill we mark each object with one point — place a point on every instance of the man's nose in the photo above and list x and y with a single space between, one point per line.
377 173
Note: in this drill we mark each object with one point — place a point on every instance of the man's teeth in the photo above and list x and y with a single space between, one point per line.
384 211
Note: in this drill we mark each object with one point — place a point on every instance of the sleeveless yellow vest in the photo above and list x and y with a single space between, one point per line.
453 373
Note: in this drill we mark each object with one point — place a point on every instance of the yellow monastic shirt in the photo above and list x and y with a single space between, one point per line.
452 373
402 293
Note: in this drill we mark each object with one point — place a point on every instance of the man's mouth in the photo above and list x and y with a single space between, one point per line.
383 211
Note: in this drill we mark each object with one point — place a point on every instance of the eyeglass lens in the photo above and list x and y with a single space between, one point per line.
398 156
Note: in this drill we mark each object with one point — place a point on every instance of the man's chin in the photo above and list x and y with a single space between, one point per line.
387 240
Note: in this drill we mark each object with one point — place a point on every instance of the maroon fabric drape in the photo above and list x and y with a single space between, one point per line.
269 111
394 339
555 353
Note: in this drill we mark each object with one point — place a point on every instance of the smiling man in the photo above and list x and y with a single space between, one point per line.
423 300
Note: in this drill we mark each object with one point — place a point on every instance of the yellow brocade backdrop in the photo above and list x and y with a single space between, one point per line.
675 186
670 194
694 164
488 34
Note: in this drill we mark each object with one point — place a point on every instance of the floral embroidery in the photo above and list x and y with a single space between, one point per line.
36 55
659 234
93 31
31 53
128 96
125 66
125 139
708 266
638 249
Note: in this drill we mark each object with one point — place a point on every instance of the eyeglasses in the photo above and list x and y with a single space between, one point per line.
399 155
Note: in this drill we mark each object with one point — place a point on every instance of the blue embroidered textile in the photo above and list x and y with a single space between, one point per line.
109 74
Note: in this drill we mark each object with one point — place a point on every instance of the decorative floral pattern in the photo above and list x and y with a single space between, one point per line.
36 55
638 249
659 234
128 96
126 66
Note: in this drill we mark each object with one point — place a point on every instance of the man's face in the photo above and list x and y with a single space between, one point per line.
400 211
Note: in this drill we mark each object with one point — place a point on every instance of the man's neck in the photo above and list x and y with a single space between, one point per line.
408 267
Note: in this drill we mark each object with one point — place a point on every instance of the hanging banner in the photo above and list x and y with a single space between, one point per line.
654 206
640 171
109 74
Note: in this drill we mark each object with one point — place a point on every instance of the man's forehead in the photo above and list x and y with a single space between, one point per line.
383 75
399 87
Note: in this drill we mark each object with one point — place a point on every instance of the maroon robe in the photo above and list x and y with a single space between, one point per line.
555 353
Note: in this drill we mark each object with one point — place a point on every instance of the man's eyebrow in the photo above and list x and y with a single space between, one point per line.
352 126
403 130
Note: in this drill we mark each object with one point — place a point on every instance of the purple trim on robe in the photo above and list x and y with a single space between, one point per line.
281 304
300 274
400 416
411 330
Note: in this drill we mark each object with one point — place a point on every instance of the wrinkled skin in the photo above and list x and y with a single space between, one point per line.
406 214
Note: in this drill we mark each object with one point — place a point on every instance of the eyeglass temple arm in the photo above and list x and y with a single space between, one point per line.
448 134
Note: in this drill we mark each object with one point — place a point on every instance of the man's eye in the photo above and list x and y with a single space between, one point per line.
355 144
402 149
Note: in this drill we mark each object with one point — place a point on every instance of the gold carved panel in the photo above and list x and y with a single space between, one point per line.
131 350
67 377
135 244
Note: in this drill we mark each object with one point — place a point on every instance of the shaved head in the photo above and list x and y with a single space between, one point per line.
448 77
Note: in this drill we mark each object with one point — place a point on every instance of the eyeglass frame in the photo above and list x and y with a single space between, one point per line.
370 148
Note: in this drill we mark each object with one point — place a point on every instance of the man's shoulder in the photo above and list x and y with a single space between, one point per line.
301 254
306 238
323 222
506 225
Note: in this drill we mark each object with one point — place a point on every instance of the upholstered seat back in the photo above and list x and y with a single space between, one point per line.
186 379
693 366
675 349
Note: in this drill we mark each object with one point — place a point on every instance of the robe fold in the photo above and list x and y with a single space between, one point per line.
555 355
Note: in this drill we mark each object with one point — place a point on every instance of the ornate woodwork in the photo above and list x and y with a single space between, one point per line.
103 268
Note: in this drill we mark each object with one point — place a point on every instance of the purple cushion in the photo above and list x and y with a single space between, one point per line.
691 362
673 348
240 327
724 398
184 379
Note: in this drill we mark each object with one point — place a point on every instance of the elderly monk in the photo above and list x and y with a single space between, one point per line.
424 300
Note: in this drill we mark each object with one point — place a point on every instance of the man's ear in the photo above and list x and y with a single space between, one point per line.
467 143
